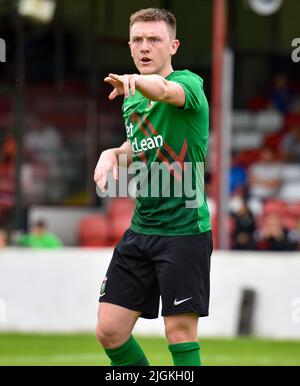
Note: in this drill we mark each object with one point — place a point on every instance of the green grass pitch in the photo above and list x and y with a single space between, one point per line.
83 350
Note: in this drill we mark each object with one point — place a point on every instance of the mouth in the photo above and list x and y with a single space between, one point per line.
145 60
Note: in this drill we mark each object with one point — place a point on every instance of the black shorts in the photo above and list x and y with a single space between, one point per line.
144 267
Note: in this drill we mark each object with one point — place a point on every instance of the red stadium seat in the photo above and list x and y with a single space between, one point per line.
94 232
258 103
274 140
282 207
119 206
290 221
294 207
247 157
288 212
120 211
291 120
274 206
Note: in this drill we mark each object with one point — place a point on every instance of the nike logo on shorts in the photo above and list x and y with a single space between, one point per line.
177 302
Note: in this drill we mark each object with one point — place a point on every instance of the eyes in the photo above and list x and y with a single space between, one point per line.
152 39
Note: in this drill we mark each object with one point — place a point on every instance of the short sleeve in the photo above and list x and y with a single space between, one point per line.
192 85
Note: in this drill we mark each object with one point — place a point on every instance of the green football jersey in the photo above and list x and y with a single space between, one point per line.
169 147
47 241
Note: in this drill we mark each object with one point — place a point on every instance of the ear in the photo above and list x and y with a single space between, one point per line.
175 46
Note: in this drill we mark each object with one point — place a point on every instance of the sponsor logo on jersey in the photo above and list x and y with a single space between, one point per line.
146 144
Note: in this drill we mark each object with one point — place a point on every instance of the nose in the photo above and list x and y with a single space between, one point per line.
145 46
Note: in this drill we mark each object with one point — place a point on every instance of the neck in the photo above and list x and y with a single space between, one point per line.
166 71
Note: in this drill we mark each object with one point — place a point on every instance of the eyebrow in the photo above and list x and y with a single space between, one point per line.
147 37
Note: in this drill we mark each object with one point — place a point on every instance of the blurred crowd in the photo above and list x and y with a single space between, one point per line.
264 201
8 151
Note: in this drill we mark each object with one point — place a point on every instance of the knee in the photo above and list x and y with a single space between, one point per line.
108 336
177 332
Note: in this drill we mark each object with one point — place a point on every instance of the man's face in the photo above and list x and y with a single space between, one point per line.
152 47
38 230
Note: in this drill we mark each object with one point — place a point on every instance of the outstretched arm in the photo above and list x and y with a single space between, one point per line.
153 87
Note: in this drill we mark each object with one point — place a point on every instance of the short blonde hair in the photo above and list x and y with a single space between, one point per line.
155 14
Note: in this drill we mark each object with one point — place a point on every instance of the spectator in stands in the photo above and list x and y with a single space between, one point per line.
290 145
34 180
7 177
9 147
238 176
44 151
273 236
3 239
244 225
282 96
42 139
40 237
265 178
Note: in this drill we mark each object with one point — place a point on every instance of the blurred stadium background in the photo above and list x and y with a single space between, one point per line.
55 119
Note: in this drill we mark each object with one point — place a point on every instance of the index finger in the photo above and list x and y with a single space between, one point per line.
126 86
115 76
132 85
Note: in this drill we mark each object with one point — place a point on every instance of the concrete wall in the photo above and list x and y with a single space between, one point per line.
58 291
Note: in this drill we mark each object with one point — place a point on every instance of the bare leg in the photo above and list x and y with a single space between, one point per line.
181 331
181 328
115 325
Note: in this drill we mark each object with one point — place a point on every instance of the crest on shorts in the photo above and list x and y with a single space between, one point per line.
103 286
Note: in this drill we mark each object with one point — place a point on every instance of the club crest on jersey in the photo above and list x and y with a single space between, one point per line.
103 286
151 104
